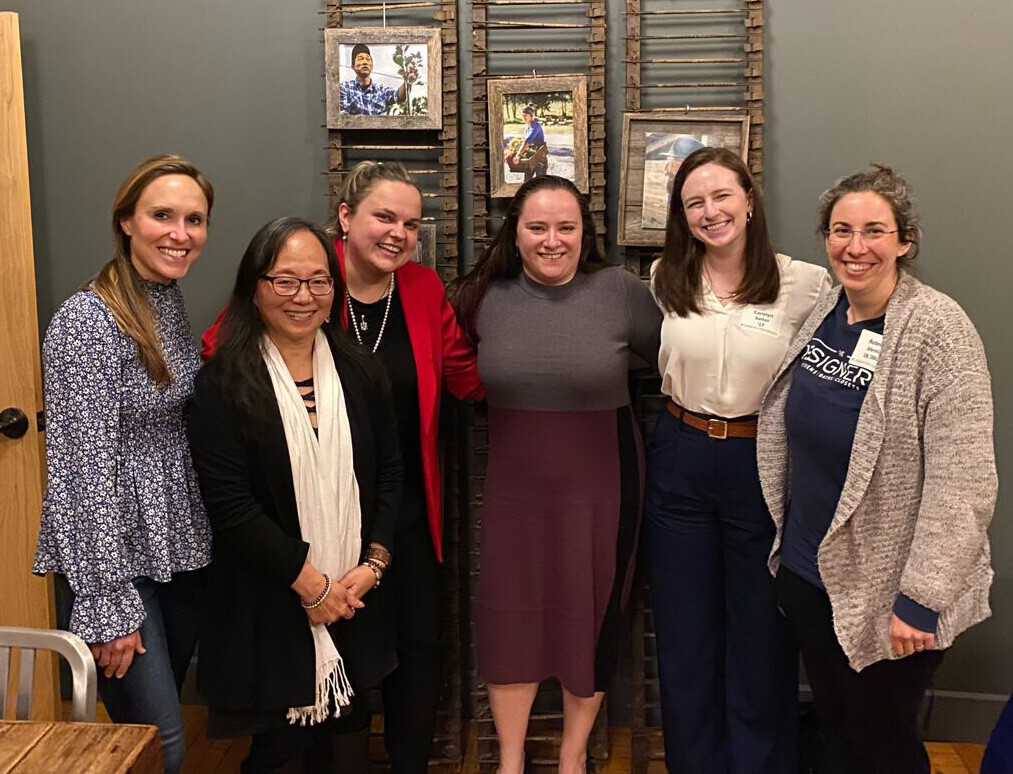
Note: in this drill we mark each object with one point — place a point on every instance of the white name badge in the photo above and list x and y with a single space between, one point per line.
763 320
866 352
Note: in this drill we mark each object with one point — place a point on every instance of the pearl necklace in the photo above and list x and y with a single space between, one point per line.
386 314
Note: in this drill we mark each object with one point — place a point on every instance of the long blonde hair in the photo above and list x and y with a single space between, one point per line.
119 285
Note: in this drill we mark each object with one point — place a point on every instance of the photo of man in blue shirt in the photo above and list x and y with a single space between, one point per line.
361 95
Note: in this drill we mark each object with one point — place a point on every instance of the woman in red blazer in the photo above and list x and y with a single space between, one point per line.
398 309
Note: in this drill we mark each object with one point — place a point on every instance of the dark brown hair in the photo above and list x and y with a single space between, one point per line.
879 179
118 284
676 281
501 260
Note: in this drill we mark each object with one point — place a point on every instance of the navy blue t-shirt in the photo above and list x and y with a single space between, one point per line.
829 384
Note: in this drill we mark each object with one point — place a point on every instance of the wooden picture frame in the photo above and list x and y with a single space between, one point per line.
425 250
394 51
559 105
653 147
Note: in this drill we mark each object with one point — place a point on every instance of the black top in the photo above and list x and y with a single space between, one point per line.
256 648
396 354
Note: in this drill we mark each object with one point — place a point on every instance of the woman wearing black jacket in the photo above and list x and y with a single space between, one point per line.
295 444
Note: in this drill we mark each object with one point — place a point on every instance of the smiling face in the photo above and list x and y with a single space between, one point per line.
294 320
717 209
861 266
549 236
168 228
382 233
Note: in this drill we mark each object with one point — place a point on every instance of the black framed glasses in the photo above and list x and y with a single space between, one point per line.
284 285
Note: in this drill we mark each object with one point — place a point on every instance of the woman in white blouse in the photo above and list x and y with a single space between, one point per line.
727 671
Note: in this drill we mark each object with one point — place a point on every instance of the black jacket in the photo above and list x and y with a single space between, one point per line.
256 651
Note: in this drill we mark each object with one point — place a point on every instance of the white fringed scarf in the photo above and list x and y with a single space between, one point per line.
327 499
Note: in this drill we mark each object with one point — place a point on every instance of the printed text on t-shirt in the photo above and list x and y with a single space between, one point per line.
834 365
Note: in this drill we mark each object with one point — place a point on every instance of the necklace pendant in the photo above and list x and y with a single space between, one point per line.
363 325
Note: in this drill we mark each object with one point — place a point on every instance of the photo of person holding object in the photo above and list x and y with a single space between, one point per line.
362 95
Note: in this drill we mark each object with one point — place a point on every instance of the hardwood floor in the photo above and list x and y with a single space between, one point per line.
206 756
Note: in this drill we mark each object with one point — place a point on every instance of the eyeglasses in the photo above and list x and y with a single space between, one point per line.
843 235
290 286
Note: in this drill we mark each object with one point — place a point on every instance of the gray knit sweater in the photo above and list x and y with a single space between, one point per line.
921 484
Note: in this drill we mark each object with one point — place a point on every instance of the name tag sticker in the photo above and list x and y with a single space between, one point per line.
764 320
866 352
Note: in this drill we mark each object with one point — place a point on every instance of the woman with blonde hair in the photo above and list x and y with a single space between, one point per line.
123 526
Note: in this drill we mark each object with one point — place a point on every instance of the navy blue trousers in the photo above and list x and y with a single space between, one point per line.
727 666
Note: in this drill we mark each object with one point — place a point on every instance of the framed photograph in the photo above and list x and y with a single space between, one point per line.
537 126
425 252
383 78
654 147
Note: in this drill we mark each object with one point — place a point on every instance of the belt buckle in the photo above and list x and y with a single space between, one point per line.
717 428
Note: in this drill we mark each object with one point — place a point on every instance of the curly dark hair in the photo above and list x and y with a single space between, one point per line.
501 260
882 180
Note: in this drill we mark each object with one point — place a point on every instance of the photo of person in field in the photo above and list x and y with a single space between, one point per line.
538 135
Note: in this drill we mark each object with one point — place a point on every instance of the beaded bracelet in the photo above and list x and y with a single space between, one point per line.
320 599
377 567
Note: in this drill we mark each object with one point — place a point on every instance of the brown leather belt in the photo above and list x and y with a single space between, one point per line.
715 428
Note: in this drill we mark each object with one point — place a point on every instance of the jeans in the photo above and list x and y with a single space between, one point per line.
149 692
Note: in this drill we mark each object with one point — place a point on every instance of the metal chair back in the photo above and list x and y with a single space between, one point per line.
70 646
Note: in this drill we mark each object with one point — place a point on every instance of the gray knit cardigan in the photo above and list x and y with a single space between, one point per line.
921 484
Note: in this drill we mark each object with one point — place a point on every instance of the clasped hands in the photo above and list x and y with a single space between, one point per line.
344 598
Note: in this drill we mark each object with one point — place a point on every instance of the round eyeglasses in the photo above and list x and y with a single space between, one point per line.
843 235
290 286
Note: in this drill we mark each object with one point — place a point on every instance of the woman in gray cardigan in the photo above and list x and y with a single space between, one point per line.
876 459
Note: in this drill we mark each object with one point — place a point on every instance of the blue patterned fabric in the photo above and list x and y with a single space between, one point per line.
122 500
374 100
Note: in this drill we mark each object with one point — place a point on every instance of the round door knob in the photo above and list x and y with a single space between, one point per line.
13 422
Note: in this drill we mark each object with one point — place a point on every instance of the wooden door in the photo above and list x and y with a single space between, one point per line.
25 600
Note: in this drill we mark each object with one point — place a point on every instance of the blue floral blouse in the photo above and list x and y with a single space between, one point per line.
122 500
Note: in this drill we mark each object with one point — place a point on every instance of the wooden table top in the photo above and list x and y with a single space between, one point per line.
42 747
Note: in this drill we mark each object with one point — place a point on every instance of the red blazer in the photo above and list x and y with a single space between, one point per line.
444 357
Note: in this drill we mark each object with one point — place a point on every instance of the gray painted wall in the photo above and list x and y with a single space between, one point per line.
234 87
922 84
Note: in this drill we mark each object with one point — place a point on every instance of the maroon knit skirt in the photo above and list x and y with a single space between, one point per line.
550 528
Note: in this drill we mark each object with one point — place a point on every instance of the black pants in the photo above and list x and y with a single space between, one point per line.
411 693
337 746
867 719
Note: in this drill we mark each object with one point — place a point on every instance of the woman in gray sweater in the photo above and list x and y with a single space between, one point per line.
876 458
